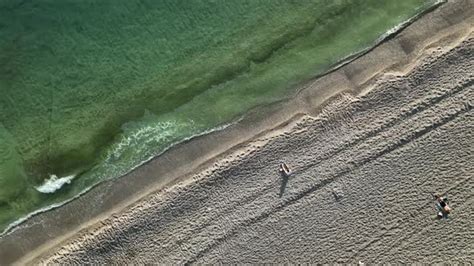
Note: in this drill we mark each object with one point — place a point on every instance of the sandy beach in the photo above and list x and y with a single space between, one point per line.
368 143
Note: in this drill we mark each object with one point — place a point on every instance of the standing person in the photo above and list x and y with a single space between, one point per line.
285 170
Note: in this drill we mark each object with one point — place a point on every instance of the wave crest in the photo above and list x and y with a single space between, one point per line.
54 183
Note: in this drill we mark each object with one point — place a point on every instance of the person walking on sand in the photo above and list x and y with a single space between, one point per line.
285 170
442 205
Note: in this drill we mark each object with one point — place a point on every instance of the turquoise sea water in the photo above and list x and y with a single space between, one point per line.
90 89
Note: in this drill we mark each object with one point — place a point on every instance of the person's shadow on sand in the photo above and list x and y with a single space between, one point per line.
285 173
284 182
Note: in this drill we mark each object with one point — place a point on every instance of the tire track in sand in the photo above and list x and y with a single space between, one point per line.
415 107
411 111
391 147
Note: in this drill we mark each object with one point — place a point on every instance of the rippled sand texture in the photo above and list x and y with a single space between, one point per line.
89 90
364 168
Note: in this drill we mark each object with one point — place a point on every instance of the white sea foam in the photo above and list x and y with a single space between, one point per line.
54 183
397 28
14 225
160 132
389 33
145 135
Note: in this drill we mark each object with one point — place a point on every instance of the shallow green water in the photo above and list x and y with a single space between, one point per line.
93 88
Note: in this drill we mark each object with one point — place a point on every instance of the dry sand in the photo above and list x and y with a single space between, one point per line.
399 126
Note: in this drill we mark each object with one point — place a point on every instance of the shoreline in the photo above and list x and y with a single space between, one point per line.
310 99
361 150
299 88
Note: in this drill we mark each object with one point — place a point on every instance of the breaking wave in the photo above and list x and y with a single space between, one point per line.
54 183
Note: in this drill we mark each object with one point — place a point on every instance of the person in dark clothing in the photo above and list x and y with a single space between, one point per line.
442 204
